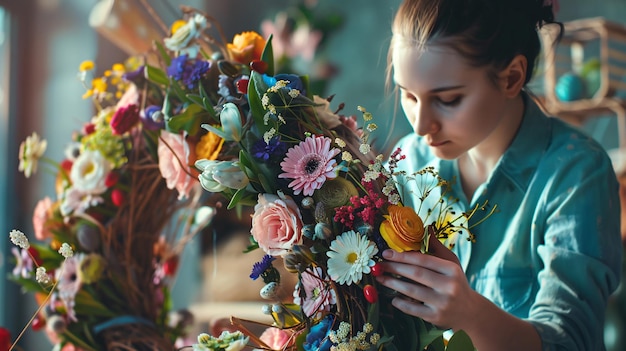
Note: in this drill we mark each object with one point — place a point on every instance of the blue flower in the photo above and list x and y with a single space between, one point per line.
294 81
264 151
260 267
317 339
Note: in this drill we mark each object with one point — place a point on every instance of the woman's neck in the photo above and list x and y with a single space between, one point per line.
477 164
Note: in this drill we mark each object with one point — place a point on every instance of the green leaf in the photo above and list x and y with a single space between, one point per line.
268 56
196 99
373 314
190 120
179 91
427 333
167 59
208 106
28 284
86 304
156 75
437 345
256 89
243 197
460 341
77 341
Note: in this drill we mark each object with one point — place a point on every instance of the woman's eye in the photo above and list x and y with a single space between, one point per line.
450 102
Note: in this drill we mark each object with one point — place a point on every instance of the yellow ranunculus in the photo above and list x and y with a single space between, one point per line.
402 229
246 47
209 146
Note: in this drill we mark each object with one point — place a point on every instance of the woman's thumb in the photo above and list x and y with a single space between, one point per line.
436 248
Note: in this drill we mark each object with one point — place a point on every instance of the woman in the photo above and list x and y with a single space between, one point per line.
541 269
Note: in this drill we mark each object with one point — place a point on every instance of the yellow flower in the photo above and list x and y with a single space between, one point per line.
403 229
30 152
99 85
246 47
86 66
209 146
176 25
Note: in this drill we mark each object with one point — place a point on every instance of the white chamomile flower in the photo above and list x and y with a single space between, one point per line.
350 256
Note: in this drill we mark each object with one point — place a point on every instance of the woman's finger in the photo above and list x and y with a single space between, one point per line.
415 274
436 248
412 290
419 259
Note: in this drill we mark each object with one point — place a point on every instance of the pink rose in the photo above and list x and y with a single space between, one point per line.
40 216
276 224
174 166
276 338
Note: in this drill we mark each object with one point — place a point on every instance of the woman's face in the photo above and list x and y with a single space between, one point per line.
454 106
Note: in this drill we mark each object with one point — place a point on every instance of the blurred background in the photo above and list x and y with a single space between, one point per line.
342 45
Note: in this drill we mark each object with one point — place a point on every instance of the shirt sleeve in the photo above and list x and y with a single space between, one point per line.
581 251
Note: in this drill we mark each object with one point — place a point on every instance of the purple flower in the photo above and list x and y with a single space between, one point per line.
189 72
177 67
136 76
264 151
260 267
24 263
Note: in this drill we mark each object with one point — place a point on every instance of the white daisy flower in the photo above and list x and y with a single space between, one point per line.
350 256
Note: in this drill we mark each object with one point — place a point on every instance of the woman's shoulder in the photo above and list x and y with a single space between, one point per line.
571 145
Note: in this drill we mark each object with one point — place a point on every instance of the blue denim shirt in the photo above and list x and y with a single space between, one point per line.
552 253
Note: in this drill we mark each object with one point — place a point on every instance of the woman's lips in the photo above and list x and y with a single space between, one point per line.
438 143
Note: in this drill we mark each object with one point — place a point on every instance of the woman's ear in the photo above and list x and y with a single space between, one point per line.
512 78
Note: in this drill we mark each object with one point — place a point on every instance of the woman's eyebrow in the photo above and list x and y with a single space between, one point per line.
439 89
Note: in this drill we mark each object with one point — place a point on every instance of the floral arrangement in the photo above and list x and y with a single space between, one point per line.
326 206
128 197
200 110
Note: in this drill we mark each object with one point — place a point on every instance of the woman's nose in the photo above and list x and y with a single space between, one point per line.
424 122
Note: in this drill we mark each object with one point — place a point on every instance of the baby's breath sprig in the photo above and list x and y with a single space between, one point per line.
20 239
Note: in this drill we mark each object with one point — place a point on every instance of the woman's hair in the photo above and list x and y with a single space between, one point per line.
488 33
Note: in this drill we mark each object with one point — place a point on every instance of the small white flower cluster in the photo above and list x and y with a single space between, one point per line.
66 250
18 238
358 342
41 276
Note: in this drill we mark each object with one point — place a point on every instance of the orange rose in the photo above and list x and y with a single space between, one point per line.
403 229
246 47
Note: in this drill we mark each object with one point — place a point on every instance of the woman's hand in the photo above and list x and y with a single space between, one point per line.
433 286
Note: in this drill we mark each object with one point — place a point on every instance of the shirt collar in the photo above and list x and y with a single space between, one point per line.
519 161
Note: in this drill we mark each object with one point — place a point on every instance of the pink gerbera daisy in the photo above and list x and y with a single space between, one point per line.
309 164
318 294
